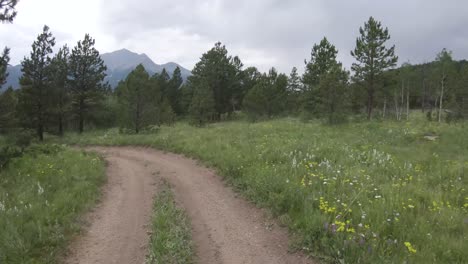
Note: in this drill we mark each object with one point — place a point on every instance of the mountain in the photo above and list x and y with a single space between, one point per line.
14 73
119 64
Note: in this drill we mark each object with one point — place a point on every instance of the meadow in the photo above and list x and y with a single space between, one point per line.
42 195
370 192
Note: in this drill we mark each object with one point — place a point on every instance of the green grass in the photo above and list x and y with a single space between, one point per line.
370 192
42 194
170 241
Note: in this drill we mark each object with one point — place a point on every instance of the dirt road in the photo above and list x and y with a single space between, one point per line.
226 229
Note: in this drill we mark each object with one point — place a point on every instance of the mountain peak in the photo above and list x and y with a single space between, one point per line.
121 62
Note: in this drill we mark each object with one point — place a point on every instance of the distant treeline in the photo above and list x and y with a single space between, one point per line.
66 90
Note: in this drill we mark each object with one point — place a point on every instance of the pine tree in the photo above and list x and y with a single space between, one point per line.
322 61
4 59
267 97
59 83
86 75
221 74
7 10
202 106
135 99
7 14
333 94
373 57
8 103
294 89
35 82
173 91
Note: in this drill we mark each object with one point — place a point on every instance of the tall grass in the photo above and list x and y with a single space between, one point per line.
358 193
41 195
171 241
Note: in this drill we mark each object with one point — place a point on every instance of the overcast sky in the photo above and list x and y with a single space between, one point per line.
264 33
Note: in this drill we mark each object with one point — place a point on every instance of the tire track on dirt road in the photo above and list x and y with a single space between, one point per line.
225 228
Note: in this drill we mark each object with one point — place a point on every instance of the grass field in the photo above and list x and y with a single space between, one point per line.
42 194
375 192
170 240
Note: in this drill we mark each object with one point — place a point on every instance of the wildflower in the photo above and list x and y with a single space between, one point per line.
377 196
410 248
410 206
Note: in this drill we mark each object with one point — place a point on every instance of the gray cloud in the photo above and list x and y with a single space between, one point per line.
267 33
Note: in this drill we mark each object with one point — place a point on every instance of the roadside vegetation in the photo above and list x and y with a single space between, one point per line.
359 192
171 240
42 194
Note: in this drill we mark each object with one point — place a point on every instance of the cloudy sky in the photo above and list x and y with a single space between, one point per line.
264 33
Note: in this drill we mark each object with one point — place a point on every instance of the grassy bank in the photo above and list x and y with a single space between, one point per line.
171 239
375 192
41 195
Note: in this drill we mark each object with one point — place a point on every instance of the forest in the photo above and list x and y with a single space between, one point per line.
65 90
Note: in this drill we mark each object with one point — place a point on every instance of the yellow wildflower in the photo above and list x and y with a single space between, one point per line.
410 248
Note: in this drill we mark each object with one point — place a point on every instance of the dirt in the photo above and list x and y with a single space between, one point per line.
225 228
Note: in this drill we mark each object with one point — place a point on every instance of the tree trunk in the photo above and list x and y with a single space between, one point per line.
402 99
407 101
370 99
40 131
441 98
81 115
60 125
384 107
423 104
396 105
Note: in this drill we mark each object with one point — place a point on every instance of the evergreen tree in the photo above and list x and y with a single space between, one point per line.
373 57
266 98
59 83
86 75
8 103
173 91
294 81
7 14
220 73
4 59
322 61
35 82
295 88
186 94
202 106
333 95
135 99
7 10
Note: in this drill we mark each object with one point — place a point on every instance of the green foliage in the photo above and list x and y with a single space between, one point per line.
202 107
134 96
41 196
86 74
8 103
327 91
220 73
60 94
35 83
266 98
173 92
4 59
355 193
372 57
171 240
